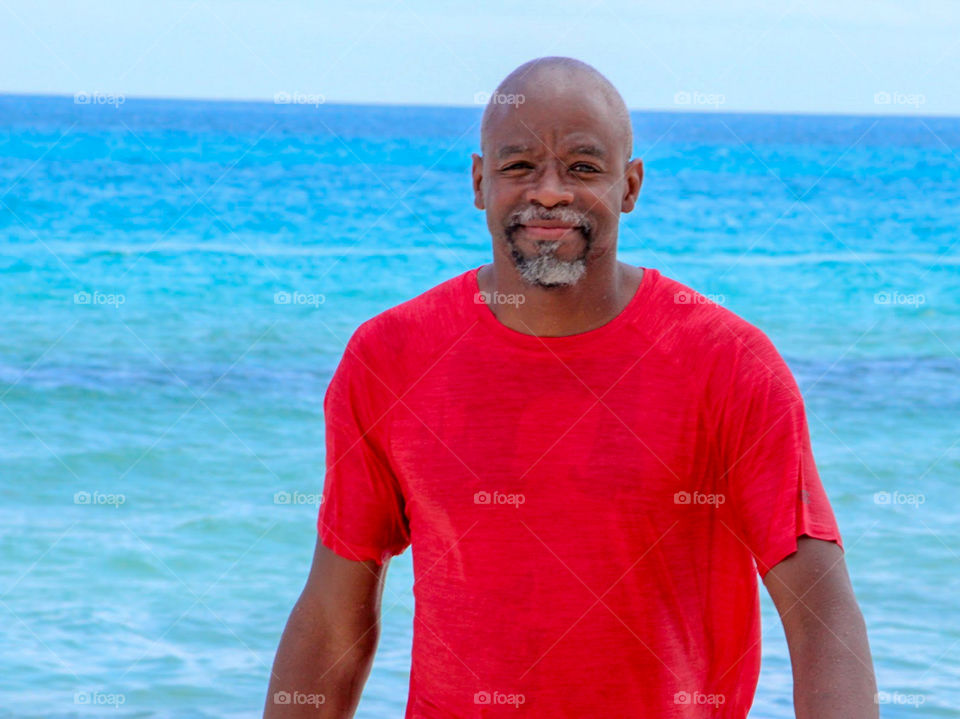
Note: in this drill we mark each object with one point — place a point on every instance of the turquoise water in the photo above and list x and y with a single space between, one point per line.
148 363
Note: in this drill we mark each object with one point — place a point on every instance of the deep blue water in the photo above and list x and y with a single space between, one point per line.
143 355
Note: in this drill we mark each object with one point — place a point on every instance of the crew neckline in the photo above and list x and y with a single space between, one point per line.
580 340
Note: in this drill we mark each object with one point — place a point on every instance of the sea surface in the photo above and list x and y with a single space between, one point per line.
178 280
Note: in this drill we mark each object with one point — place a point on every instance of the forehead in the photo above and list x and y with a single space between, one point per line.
559 123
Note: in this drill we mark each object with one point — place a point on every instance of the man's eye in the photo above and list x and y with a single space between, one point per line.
516 165
588 168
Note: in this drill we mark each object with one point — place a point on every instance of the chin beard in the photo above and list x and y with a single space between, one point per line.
545 269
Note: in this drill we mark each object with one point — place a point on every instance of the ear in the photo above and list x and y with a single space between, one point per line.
634 179
477 172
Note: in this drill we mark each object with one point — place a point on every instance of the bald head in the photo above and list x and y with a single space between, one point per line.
551 80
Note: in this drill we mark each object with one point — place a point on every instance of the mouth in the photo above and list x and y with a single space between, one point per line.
548 231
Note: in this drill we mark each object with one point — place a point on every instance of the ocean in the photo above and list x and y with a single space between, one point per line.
179 279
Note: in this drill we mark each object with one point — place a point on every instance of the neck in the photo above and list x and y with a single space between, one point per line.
601 294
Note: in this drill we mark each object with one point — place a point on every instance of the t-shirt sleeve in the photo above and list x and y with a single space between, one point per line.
362 513
767 458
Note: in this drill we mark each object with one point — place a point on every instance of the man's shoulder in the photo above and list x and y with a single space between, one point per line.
418 325
706 341
702 323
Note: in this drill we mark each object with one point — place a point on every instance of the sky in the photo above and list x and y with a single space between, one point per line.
806 56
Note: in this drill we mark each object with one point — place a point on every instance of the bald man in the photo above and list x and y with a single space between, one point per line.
591 461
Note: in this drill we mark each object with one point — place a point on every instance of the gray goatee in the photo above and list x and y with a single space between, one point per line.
546 269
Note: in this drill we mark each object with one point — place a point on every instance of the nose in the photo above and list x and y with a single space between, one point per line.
550 188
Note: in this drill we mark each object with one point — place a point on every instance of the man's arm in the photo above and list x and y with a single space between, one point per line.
832 669
327 647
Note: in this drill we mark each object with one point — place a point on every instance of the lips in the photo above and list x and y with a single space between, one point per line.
547 231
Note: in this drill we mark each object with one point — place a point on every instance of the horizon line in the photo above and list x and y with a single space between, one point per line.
684 110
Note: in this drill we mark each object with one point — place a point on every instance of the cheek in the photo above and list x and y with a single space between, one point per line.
610 197
501 193
605 207
498 207
501 202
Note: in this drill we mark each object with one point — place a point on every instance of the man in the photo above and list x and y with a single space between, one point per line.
591 462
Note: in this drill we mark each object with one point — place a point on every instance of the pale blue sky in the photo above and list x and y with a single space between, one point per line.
830 56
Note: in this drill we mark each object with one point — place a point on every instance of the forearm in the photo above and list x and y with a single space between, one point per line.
319 672
833 676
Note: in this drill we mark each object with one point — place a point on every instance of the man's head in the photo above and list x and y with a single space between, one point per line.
556 171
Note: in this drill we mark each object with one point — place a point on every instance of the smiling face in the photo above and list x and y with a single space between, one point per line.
555 175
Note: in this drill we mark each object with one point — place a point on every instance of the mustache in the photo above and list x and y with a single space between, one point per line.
559 214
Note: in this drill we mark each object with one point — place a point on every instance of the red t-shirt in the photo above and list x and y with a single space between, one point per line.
588 514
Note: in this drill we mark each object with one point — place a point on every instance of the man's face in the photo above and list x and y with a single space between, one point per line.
553 182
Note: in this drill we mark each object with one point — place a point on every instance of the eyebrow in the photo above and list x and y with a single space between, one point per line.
508 150
591 150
